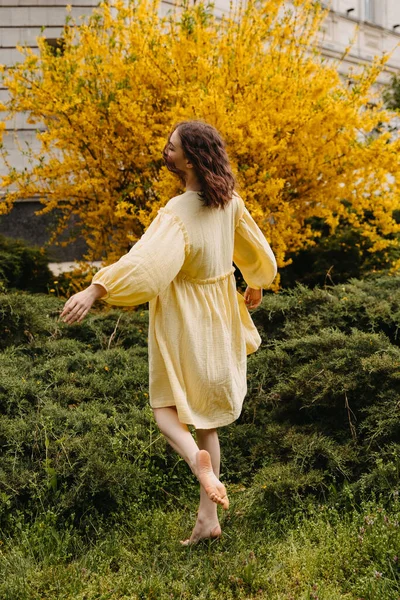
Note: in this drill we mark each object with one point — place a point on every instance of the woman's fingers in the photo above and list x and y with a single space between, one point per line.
70 317
76 315
83 315
77 307
73 312
254 305
68 312
65 309
68 306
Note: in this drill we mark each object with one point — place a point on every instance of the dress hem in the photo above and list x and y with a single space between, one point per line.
221 423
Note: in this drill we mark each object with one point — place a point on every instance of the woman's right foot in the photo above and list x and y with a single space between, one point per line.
215 490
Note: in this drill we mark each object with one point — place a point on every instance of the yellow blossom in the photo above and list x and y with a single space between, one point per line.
126 75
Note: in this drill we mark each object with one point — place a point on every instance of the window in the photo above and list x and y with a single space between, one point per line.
369 10
57 45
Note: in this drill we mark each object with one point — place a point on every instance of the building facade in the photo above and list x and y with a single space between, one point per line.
373 25
21 21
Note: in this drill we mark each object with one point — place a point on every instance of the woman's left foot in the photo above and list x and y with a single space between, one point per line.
202 531
215 490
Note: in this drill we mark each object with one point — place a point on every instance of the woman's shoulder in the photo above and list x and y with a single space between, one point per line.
183 199
189 207
186 206
239 205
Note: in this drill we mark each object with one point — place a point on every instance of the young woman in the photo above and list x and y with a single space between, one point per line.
200 330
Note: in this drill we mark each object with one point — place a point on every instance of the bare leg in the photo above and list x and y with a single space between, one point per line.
180 438
177 434
207 524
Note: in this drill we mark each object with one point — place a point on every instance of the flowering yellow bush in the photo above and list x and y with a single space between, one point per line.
298 137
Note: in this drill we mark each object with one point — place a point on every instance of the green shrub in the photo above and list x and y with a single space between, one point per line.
322 409
338 257
371 305
321 417
23 267
25 319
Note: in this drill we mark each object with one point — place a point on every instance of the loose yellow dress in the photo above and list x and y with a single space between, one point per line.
200 330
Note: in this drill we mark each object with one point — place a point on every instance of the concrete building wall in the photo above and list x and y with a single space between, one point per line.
372 26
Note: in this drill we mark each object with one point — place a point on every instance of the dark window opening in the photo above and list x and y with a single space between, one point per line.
56 45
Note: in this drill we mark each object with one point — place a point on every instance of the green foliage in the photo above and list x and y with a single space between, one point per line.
337 257
328 408
24 318
322 409
370 305
23 267
391 93
321 417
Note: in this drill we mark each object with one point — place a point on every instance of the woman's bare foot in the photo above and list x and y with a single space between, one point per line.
203 530
215 490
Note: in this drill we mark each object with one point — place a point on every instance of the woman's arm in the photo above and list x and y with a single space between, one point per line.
254 257
141 274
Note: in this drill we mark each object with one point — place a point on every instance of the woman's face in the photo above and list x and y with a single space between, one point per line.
175 154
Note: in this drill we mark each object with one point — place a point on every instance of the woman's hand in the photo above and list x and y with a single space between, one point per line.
77 307
252 297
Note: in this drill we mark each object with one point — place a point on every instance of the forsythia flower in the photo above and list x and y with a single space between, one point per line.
297 136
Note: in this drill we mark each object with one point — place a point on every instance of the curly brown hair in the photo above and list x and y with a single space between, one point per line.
204 147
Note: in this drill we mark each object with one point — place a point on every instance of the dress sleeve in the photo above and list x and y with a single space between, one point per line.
252 253
150 265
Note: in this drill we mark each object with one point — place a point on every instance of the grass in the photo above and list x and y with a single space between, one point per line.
318 553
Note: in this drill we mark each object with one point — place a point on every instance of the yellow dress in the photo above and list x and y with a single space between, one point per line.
200 330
